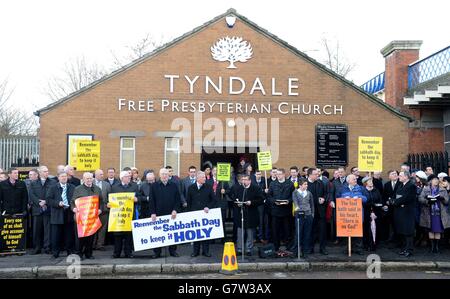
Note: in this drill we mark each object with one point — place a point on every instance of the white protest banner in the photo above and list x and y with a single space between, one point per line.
185 228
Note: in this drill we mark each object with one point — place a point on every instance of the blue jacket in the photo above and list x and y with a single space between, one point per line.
357 191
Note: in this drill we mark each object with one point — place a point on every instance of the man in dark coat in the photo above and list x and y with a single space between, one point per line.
339 183
249 196
62 218
232 195
263 229
41 211
404 204
13 195
200 196
71 174
317 189
166 200
186 183
280 198
111 179
220 190
100 235
124 239
88 188
145 195
387 228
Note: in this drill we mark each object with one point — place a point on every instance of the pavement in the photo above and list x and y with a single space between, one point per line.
43 266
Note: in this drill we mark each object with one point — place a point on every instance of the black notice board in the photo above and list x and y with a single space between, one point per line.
331 145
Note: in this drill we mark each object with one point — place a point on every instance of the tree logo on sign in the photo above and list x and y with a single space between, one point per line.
232 49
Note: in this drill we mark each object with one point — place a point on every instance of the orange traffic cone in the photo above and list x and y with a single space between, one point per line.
229 260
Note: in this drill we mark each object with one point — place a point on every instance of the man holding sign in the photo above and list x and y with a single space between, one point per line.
200 196
121 214
166 200
85 203
221 177
353 190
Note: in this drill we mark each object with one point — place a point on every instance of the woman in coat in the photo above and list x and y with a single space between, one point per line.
434 215
373 205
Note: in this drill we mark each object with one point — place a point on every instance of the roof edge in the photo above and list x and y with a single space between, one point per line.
203 26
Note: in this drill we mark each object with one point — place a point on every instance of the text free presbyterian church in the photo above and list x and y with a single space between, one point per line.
236 86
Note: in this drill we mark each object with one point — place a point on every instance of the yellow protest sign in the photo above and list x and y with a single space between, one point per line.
72 143
223 172
88 155
121 211
370 153
265 160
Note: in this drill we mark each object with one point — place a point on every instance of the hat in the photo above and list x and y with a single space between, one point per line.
421 175
431 177
442 175
447 179
365 179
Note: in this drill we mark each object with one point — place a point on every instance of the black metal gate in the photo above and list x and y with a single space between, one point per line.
437 160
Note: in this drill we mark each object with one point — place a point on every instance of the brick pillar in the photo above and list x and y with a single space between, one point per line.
398 55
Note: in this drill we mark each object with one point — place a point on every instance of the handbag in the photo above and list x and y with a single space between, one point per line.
267 251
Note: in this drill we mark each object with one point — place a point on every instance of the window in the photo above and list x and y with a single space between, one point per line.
127 152
172 154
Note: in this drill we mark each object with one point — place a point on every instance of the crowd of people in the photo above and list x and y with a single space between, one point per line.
289 207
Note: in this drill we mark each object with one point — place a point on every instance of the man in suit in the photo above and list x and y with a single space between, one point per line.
200 196
280 198
145 195
387 222
249 196
100 236
263 225
166 200
404 204
186 183
221 198
62 218
316 187
111 179
41 211
293 176
13 195
71 174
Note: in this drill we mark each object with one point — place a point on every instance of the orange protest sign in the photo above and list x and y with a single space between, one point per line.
349 217
87 219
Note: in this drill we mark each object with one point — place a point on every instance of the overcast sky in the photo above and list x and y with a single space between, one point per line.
38 37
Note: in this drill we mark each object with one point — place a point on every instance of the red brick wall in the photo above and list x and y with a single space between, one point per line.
396 76
95 111
426 140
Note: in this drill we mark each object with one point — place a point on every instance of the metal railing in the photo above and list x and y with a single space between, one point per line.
438 160
18 152
375 84
428 68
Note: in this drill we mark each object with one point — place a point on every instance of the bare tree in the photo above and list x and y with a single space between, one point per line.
13 121
335 59
75 75
145 45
